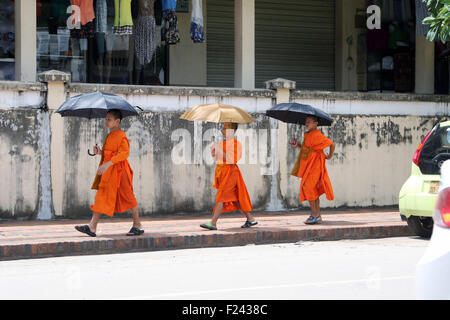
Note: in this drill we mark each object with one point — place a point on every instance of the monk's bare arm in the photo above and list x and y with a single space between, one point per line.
330 154
101 170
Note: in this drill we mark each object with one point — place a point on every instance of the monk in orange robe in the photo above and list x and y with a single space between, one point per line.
232 193
114 179
310 167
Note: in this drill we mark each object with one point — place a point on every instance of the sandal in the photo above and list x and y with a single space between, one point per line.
249 224
85 229
314 220
208 225
135 232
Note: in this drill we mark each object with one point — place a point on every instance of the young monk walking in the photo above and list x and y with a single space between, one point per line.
310 167
231 194
114 179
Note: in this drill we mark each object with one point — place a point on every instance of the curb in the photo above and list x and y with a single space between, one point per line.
171 242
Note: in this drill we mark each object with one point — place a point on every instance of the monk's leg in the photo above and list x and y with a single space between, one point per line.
249 217
318 207
315 207
217 213
136 219
315 210
94 221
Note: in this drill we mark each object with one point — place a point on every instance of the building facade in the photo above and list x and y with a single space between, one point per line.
333 45
385 87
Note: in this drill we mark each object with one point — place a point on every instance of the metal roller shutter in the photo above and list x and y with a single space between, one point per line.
220 43
295 40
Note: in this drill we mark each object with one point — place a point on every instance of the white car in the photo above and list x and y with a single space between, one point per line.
433 270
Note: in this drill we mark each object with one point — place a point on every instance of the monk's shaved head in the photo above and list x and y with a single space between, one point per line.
314 118
115 113
230 125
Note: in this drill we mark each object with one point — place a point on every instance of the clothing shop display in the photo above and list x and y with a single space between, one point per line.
197 32
86 31
84 28
101 16
123 21
169 25
145 31
86 10
169 5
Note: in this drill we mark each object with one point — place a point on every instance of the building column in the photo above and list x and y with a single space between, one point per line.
283 88
56 95
244 44
25 41
424 65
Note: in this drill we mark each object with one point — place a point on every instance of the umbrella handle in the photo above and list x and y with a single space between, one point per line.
91 154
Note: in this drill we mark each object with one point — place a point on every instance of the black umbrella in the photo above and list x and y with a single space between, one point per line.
297 113
95 105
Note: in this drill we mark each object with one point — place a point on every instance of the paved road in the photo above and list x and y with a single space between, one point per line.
347 269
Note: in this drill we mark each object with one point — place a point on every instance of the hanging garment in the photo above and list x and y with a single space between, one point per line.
169 5
101 16
169 28
86 10
85 29
144 43
123 21
197 33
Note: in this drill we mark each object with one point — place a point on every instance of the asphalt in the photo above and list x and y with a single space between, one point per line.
39 239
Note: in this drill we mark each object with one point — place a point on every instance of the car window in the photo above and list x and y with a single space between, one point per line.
435 151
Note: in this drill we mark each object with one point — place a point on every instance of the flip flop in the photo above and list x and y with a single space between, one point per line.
85 229
313 220
249 224
135 232
208 225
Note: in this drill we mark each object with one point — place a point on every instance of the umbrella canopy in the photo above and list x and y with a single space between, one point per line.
217 112
95 105
297 113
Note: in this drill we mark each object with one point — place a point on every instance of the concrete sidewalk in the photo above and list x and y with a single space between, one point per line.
32 239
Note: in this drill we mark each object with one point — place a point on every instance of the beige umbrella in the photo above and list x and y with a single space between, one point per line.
217 112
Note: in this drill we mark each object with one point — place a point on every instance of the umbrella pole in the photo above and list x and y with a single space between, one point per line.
89 151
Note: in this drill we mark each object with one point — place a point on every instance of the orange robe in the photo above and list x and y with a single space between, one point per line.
115 188
228 179
310 167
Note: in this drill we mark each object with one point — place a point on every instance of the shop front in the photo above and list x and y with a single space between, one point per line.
7 40
323 45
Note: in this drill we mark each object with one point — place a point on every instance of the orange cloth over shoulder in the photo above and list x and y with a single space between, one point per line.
311 167
115 188
228 179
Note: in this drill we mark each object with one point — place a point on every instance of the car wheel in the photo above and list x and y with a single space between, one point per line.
421 226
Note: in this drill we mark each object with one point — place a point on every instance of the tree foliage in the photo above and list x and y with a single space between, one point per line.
439 20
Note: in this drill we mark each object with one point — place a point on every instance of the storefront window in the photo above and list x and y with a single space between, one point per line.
7 37
386 55
102 41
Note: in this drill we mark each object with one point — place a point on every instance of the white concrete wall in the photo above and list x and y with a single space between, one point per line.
20 149
376 136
